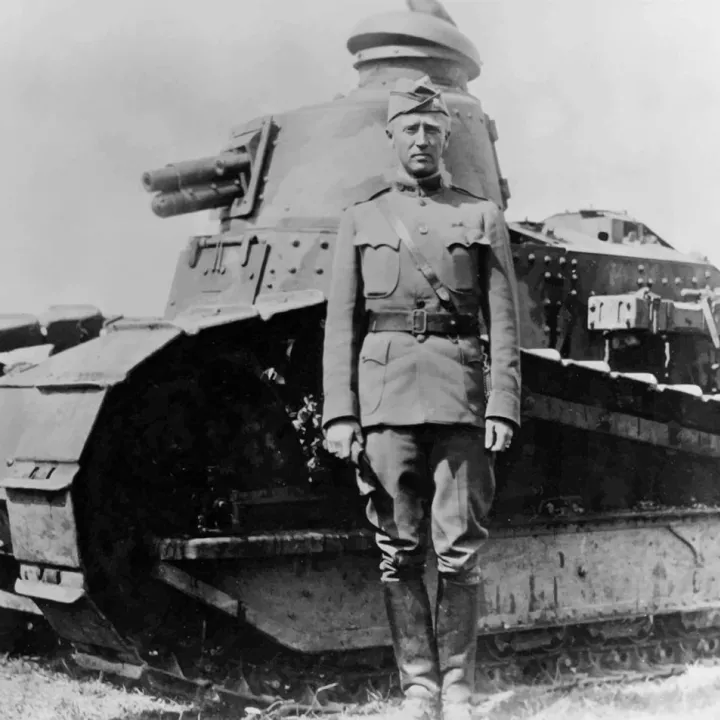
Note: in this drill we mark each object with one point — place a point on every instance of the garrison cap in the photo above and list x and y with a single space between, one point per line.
409 96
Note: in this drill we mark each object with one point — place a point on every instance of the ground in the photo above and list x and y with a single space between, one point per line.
33 689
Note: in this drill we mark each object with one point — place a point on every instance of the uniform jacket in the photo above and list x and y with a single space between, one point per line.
395 378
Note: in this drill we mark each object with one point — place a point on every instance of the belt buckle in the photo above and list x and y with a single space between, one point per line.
422 328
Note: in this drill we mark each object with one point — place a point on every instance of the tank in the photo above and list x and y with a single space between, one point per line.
167 504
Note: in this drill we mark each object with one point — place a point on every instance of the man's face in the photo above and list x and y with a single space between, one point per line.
419 140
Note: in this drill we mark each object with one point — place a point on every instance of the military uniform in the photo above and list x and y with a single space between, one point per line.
412 373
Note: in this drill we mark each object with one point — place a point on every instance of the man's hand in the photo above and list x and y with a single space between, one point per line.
340 435
498 434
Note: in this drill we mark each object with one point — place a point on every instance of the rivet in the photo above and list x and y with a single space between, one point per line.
559 276
319 271
296 243
573 293
547 258
562 260
694 281
664 281
546 329
325 245
546 301
641 268
592 292
708 274
10 462
548 275
531 257
640 281
650 282
573 262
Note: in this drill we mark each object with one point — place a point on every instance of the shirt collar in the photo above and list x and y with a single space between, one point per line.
404 182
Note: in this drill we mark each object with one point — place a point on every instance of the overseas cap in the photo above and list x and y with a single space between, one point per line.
410 96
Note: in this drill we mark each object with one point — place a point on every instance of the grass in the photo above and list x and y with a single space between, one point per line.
32 691
37 690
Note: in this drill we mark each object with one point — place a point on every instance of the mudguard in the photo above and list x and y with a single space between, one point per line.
47 414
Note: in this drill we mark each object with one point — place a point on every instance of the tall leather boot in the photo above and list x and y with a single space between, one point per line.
410 617
456 632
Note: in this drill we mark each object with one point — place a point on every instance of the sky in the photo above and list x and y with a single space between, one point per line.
598 103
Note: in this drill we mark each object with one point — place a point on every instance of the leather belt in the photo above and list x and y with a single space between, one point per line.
420 322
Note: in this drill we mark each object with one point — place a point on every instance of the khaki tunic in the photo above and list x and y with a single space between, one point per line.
395 378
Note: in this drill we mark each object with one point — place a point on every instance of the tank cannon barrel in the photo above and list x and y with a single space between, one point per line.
194 185
193 199
190 173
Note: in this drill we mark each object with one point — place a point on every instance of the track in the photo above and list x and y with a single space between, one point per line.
283 683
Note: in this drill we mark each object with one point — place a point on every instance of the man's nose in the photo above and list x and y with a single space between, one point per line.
421 138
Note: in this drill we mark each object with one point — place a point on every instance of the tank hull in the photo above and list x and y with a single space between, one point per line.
559 525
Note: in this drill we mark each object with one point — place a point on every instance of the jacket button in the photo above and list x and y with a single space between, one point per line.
422 202
420 303
422 229
421 338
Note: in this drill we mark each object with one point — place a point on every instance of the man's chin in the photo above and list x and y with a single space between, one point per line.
421 170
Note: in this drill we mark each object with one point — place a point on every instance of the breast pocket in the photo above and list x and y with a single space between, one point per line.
464 250
380 264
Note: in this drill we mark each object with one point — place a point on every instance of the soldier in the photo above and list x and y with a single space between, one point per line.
421 270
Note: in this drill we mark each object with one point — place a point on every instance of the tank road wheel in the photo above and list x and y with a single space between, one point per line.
168 456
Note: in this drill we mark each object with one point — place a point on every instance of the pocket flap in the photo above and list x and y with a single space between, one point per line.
467 239
376 348
377 240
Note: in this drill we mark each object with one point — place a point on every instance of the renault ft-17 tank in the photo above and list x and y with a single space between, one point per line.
166 487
